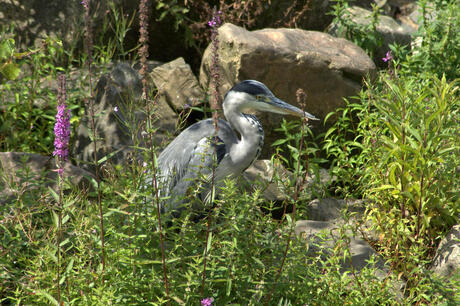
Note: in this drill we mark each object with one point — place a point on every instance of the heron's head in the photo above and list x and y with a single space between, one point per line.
251 94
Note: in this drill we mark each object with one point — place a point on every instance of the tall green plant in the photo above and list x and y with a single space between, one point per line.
413 176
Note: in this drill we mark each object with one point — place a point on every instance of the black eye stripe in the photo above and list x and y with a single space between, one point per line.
251 87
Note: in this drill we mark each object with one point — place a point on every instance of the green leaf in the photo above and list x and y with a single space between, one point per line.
108 156
383 187
70 266
53 193
6 49
413 132
208 247
279 142
10 71
63 243
258 261
45 294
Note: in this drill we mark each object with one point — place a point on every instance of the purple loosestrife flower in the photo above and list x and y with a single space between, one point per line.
143 41
207 301
62 132
388 57
85 4
215 21
62 125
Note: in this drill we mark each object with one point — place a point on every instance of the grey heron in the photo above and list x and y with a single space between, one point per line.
185 165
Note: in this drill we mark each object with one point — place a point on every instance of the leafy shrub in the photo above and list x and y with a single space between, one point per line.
412 176
397 145
404 160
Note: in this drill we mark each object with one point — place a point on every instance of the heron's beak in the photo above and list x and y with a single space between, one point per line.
280 107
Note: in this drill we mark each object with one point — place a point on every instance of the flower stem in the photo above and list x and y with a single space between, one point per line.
143 54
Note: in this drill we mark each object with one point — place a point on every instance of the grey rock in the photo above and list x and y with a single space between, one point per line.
117 116
325 235
326 68
447 259
177 85
178 90
261 174
331 209
24 172
390 30
36 19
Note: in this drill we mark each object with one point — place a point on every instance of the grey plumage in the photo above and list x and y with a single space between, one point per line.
185 165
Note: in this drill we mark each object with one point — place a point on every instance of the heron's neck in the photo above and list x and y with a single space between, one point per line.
252 136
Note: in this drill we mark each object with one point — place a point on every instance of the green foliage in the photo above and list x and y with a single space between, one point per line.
437 40
288 145
244 251
303 163
29 103
9 68
397 145
365 36
404 160
399 148
173 8
412 175
111 41
343 146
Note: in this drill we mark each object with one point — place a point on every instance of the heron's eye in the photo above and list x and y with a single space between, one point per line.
260 97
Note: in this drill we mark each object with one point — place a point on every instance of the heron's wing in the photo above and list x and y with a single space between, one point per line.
191 149
195 179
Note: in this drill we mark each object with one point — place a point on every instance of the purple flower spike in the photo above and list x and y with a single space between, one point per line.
62 132
388 57
62 125
207 301
115 109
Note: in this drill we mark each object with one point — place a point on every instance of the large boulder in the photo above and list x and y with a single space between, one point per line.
117 117
119 111
326 68
178 90
177 85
